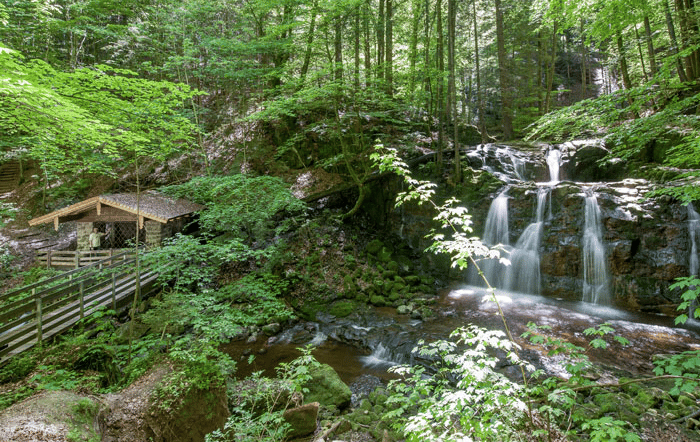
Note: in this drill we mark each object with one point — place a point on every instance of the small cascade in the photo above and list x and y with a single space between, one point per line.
495 233
496 229
523 274
554 162
518 166
596 283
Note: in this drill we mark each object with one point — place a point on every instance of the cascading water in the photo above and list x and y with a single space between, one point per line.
596 283
495 234
554 162
523 274
496 229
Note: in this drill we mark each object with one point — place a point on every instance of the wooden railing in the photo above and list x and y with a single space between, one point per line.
41 310
76 258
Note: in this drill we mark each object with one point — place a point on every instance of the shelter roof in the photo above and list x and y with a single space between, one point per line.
151 205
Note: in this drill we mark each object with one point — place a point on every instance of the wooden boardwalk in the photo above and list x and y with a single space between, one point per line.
42 310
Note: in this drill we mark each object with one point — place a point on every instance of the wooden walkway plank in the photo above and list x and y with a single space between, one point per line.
45 314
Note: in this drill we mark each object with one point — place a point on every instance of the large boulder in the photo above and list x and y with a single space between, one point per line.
302 420
327 388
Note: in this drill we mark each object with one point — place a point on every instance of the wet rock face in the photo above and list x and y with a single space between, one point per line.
646 241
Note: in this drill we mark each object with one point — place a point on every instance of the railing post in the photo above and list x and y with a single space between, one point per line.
48 259
114 292
77 259
82 299
39 326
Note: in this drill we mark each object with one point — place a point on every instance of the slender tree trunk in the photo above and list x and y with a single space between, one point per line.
427 86
641 55
623 61
338 48
452 86
479 94
309 42
540 81
506 112
380 41
674 42
356 49
389 48
440 62
367 42
416 7
550 71
651 54
584 67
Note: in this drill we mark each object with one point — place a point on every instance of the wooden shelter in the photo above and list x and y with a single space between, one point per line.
159 216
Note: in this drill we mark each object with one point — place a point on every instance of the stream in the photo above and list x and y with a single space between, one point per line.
363 346
584 250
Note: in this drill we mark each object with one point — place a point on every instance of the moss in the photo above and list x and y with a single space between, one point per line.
378 300
374 247
342 309
326 387
384 255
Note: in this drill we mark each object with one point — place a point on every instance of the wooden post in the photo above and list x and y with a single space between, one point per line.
114 292
48 259
39 327
82 299
77 259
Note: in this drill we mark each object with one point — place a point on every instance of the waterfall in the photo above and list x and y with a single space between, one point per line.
554 161
496 229
518 166
596 284
523 274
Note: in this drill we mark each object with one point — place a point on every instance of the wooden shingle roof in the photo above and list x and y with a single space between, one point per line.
152 205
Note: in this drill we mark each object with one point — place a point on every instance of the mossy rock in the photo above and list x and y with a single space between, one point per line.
377 300
652 397
389 275
394 296
384 255
392 266
374 247
326 387
412 280
342 309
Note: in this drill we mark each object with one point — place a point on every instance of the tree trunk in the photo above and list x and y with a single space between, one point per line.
650 46
356 49
550 71
584 67
479 95
623 62
452 83
389 49
338 48
427 87
368 44
440 62
641 55
413 48
380 41
309 42
674 42
506 104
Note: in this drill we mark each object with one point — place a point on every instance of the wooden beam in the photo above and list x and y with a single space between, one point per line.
140 222
98 206
55 223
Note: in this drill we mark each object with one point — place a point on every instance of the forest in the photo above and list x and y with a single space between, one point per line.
351 156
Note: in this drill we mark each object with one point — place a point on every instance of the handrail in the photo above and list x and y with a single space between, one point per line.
41 314
63 275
